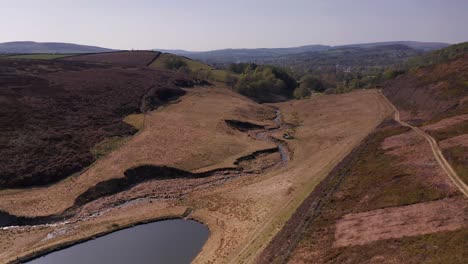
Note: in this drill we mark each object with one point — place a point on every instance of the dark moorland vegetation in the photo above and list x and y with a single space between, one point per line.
55 113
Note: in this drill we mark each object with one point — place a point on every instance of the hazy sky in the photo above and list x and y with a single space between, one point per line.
215 24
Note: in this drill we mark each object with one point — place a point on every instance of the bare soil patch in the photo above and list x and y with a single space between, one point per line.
396 222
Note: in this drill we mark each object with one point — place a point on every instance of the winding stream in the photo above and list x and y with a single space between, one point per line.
266 136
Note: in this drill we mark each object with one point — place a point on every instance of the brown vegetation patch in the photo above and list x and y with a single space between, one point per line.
416 157
450 131
436 91
458 158
461 140
374 179
446 122
396 222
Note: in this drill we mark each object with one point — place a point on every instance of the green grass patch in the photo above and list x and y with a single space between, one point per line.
135 120
108 145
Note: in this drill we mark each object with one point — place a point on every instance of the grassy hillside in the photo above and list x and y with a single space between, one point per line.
227 56
174 62
195 68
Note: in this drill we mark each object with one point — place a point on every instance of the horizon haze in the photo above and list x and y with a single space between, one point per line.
209 25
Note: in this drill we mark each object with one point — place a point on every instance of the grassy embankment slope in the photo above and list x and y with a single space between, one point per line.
391 201
324 137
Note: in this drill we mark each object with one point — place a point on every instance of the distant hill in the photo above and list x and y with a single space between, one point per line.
347 67
226 56
347 57
47 47
425 46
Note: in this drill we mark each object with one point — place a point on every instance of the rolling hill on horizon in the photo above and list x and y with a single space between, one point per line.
223 56
47 47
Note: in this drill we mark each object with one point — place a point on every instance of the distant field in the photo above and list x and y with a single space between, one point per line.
36 56
134 58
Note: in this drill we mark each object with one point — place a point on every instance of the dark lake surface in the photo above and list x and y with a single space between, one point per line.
170 241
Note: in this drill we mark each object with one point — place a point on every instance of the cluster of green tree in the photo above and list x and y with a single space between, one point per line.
264 83
240 68
308 84
340 69
335 80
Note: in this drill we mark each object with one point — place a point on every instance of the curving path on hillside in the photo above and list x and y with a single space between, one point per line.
435 150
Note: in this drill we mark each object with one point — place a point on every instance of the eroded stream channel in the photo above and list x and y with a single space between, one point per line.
170 241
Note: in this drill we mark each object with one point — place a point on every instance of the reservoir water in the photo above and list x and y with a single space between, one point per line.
169 241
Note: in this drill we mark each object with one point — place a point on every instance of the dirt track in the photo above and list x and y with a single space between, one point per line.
435 150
